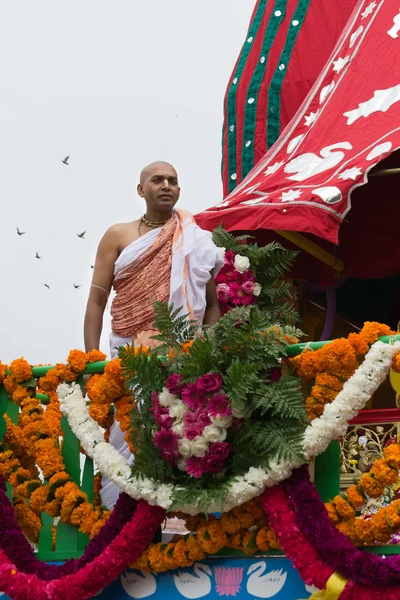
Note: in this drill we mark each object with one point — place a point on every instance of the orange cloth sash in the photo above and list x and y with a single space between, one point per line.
142 282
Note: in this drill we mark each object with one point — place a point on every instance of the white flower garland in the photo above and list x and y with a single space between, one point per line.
332 423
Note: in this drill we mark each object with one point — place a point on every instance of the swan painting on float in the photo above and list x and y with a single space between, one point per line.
138 584
309 164
194 586
265 585
310 589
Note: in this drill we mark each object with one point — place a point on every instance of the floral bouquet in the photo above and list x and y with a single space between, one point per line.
236 282
211 406
253 275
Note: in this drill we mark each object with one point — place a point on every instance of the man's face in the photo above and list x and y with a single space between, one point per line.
160 187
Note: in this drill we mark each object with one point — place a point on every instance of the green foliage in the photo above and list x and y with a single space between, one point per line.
175 329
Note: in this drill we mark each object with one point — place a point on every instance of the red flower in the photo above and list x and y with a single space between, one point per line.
238 295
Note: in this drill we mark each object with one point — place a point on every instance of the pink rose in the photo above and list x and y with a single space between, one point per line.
163 419
210 464
248 287
173 384
249 276
220 450
223 292
202 417
189 418
210 383
193 431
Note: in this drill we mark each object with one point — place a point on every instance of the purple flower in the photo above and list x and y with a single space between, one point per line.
219 405
212 382
248 287
193 396
223 292
193 431
173 384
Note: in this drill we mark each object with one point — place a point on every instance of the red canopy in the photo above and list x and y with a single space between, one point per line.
348 123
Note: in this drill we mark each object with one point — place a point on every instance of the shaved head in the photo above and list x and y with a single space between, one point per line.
154 166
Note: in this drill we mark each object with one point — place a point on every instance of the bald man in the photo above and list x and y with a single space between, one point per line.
162 256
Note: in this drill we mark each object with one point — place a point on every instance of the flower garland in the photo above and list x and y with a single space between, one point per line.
381 525
332 423
135 536
244 528
313 567
35 439
20 552
334 363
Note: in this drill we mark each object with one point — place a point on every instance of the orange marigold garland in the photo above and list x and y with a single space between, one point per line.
384 523
333 364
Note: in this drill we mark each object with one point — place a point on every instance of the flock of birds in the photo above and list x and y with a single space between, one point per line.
80 235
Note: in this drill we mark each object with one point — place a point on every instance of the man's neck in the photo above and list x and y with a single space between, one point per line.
158 216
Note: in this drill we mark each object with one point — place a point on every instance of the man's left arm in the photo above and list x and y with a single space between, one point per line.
213 312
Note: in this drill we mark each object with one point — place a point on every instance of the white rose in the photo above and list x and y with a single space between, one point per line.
242 263
222 421
199 446
178 409
222 251
167 399
185 447
257 289
181 464
178 428
212 433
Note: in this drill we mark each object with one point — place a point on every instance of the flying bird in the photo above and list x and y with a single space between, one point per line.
92 266
37 255
81 235
76 286
20 232
65 160
46 285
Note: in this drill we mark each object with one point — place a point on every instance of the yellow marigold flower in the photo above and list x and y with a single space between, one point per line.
262 539
332 514
50 381
9 384
372 331
29 522
249 543
230 523
20 370
38 499
77 360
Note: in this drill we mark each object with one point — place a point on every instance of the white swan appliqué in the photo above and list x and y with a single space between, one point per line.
264 586
138 584
307 165
194 586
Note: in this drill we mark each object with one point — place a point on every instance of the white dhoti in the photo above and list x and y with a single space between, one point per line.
195 258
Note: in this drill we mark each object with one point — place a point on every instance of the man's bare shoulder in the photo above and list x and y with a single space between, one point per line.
121 235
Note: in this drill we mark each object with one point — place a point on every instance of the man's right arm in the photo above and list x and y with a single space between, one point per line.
107 254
